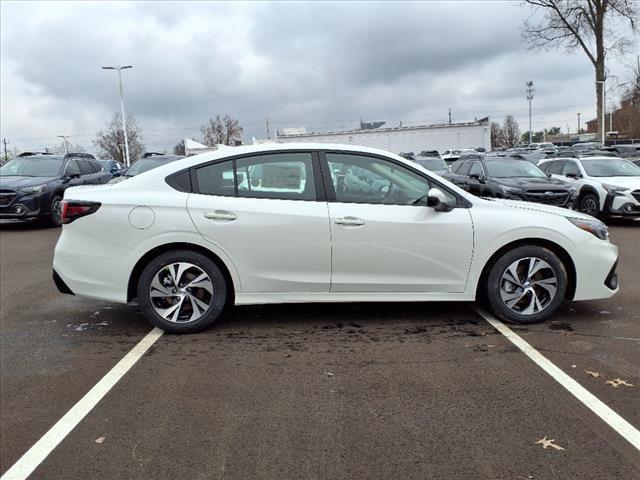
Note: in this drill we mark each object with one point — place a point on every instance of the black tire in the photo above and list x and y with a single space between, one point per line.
590 205
54 219
496 285
159 266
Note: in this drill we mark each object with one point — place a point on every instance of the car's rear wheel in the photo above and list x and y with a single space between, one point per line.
589 205
54 218
526 285
182 292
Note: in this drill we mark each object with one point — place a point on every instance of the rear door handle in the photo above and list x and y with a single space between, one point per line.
220 215
349 221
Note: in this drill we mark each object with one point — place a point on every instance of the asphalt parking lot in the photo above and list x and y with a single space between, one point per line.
315 391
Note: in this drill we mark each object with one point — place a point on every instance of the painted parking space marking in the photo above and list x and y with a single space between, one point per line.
50 440
615 421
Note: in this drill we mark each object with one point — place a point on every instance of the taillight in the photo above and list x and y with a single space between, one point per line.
71 210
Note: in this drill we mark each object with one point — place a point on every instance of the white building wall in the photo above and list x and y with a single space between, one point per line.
407 139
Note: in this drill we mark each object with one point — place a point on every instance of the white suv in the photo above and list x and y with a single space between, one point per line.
608 186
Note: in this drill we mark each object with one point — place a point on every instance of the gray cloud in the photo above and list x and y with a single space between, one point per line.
321 65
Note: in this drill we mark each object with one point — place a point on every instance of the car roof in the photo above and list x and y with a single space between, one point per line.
41 156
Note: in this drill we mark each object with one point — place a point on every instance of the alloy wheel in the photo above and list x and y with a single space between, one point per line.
528 286
589 207
181 292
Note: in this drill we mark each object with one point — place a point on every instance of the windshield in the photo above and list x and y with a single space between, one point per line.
146 164
433 164
610 167
32 167
506 168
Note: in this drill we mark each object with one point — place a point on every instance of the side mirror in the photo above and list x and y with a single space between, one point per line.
573 175
437 200
480 178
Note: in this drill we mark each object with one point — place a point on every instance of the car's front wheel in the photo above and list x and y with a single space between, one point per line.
54 218
526 285
182 292
589 205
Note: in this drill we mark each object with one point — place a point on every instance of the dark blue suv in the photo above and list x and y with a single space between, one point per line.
33 186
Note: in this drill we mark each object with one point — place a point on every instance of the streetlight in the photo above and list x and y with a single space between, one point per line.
124 117
530 91
603 128
578 124
64 139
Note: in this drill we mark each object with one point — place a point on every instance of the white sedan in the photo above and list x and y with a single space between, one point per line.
293 223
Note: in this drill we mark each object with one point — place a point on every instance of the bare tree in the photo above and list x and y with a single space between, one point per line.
110 142
60 149
225 131
510 132
496 135
179 148
583 25
233 130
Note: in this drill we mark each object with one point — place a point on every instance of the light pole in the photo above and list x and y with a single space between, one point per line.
578 124
124 117
64 139
602 108
530 91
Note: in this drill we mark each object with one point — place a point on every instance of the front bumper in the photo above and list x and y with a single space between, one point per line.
595 262
21 206
621 205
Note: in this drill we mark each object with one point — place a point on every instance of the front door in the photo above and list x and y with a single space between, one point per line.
384 237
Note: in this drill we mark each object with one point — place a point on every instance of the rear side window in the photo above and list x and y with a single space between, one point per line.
216 179
284 176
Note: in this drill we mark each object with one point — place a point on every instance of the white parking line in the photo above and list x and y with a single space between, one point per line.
615 421
43 447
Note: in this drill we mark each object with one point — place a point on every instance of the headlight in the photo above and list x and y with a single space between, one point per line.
35 189
595 227
615 189
508 189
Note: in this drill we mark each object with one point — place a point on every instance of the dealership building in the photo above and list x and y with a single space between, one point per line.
414 138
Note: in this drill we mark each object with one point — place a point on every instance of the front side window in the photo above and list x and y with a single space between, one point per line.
284 176
476 169
556 167
363 179
85 167
72 168
570 169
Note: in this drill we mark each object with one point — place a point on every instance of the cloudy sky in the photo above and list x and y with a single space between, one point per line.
320 65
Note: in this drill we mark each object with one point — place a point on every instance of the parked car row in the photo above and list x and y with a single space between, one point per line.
32 186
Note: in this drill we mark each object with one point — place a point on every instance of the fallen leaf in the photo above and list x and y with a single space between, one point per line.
616 382
329 374
548 443
100 439
592 373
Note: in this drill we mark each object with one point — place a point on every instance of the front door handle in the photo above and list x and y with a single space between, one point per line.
349 221
220 215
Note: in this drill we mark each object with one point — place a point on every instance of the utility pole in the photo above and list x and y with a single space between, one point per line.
449 115
530 91
6 155
64 139
268 131
124 117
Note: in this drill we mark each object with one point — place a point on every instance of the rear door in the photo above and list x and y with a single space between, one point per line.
269 214
384 237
